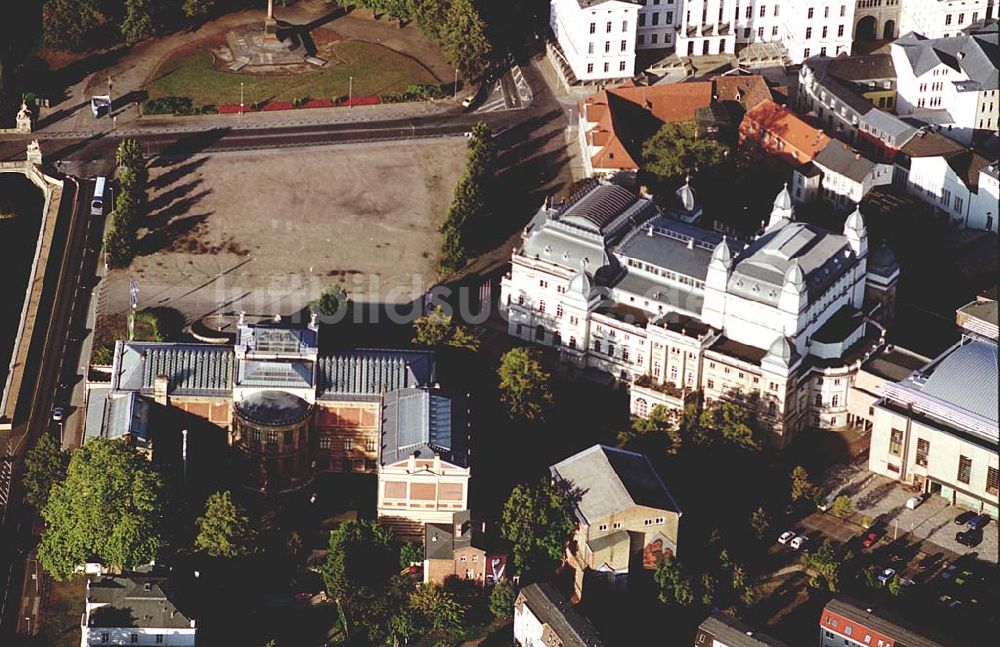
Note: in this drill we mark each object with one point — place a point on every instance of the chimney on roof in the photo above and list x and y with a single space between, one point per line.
277 318
411 463
243 318
161 385
437 463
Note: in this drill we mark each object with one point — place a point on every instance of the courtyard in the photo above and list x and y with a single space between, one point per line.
227 232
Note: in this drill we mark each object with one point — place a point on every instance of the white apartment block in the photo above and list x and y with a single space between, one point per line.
937 428
672 309
956 75
839 175
942 18
598 38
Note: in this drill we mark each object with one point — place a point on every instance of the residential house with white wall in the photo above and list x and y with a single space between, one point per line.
951 82
839 175
596 37
133 610
853 98
544 618
942 18
958 182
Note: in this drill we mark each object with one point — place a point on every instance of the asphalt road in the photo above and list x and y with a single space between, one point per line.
45 363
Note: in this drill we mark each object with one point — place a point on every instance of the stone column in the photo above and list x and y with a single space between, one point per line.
270 24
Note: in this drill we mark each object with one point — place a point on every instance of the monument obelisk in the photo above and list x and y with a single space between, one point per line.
270 24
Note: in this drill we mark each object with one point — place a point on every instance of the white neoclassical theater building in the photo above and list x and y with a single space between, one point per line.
669 309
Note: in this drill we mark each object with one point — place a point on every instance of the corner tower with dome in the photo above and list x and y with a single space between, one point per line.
780 322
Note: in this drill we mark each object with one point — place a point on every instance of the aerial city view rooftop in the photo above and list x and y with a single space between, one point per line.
482 323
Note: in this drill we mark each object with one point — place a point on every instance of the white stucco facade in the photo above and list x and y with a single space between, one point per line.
940 18
597 37
933 180
950 82
671 309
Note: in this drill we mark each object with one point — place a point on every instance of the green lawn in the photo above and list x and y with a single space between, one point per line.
377 70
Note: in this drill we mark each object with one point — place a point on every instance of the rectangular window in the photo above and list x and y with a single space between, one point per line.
642 20
348 445
624 25
809 33
617 525
593 27
602 527
624 45
810 13
607 66
607 46
608 29
621 66
371 445
763 11
824 32
288 438
923 449
324 442
964 469
133 638
159 639
992 481
670 18
656 18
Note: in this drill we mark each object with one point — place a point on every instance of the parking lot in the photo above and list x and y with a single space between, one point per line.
876 496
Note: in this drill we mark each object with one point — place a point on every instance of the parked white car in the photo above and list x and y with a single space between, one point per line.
827 503
799 542
785 537
886 575
914 501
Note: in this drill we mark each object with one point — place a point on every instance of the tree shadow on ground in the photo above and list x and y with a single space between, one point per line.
189 145
168 235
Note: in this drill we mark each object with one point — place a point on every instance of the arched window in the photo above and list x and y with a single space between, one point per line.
641 407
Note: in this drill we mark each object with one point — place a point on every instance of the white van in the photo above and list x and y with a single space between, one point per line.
97 204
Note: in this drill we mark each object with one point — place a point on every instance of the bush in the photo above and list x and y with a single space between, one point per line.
167 106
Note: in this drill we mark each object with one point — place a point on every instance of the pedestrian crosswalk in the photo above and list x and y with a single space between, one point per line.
6 467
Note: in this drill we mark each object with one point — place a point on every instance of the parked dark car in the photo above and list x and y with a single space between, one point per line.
970 538
965 518
979 522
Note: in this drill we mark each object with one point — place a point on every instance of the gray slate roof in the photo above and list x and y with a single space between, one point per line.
975 55
841 159
130 604
611 480
823 257
964 377
277 337
369 373
732 633
552 609
667 247
423 422
193 369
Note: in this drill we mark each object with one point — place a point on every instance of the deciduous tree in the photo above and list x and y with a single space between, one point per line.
333 304
44 465
538 521
502 600
197 8
358 570
110 506
436 329
842 506
137 23
760 521
410 553
67 24
463 38
439 608
525 386
802 487
224 530
676 150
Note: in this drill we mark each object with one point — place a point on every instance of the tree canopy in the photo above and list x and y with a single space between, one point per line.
332 304
676 150
110 506
525 386
44 465
466 228
436 329
224 530
538 520
463 38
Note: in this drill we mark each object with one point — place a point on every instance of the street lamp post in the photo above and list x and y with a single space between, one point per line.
350 92
241 98
184 453
456 84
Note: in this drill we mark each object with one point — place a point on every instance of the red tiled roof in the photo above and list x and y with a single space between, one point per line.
800 140
750 91
625 116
